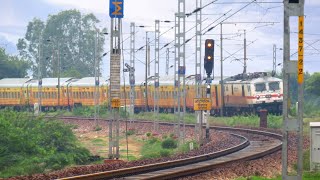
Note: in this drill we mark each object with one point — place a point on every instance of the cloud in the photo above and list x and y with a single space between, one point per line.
144 12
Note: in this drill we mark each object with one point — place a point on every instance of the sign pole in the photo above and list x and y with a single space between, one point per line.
116 13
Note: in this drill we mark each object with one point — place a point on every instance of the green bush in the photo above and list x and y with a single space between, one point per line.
130 132
33 145
153 140
186 147
164 153
148 134
169 144
98 128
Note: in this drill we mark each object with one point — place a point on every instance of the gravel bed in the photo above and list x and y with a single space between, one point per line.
219 141
268 166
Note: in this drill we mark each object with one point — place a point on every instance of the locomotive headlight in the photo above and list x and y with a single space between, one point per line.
257 96
279 95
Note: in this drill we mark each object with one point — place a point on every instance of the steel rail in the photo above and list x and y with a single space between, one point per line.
204 161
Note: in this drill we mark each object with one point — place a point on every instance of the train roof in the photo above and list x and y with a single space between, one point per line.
50 82
251 78
169 80
89 81
13 82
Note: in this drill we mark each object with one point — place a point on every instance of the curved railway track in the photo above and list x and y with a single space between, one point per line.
247 150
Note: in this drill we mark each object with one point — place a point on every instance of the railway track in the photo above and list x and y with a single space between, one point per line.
247 150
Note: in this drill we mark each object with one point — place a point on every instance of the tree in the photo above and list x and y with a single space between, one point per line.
313 84
72 38
12 66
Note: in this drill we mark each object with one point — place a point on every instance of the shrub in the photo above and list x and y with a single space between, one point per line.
169 144
164 153
148 134
98 128
130 132
165 136
153 140
32 145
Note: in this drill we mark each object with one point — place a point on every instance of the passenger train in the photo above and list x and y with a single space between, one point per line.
244 93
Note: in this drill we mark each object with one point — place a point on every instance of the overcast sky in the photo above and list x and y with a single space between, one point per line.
15 15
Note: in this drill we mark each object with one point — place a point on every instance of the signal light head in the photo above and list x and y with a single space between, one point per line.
209 45
209 58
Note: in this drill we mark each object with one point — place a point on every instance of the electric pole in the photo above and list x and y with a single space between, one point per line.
180 49
156 75
198 57
274 64
293 8
132 65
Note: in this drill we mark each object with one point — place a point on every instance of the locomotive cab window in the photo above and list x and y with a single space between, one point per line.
273 86
260 87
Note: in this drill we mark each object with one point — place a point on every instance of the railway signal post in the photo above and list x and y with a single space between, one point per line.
116 13
292 8
208 66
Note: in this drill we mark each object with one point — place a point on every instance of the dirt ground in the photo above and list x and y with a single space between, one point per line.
97 144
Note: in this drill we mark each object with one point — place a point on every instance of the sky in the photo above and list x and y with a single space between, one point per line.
263 25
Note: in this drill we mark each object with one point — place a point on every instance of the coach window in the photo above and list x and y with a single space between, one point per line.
0 94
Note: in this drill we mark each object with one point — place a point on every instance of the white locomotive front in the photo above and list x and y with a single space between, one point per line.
253 92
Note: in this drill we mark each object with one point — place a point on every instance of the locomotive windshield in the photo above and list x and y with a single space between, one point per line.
273 86
260 86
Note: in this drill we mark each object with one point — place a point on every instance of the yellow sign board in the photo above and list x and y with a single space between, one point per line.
115 103
300 50
201 104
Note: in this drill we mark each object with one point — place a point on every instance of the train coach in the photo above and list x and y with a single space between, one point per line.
244 93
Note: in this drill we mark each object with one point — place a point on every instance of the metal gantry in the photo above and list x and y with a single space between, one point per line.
292 124
180 50
115 56
274 64
39 75
156 74
198 59
132 65
221 73
167 61
96 81
175 66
